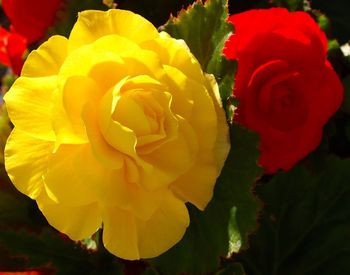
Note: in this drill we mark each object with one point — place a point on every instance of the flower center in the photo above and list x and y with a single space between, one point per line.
141 112
279 97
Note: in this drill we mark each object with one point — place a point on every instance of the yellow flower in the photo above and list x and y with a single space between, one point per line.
116 126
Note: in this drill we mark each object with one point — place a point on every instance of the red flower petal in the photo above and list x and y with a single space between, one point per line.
286 87
12 48
31 18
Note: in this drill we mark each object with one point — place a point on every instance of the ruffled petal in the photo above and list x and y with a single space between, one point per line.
181 91
131 238
104 152
62 172
144 203
91 25
67 118
197 184
47 59
29 106
76 222
329 95
172 158
222 144
164 229
26 161
175 53
120 233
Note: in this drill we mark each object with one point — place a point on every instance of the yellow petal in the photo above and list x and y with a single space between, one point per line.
143 203
91 25
29 105
164 229
222 144
109 185
182 102
175 53
81 62
201 113
171 159
162 121
26 161
119 233
130 238
104 152
144 62
146 111
116 44
76 93
63 182
204 117
47 59
118 136
197 184
66 132
144 82
85 176
76 222
69 104
107 65
101 57
107 73
129 113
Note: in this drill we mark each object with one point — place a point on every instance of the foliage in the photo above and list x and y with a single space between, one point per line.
305 222
338 13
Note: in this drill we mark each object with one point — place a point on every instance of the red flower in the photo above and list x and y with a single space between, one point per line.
286 87
12 48
31 18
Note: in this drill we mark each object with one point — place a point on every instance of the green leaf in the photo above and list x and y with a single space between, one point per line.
338 13
156 11
232 269
324 23
205 30
305 228
224 225
346 102
14 210
51 248
242 168
292 5
150 271
203 27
